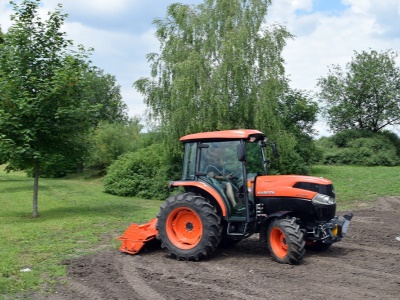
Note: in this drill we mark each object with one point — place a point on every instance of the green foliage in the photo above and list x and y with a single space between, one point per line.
220 67
360 147
41 117
102 90
56 166
1 36
39 114
366 97
49 95
143 173
394 139
298 113
109 141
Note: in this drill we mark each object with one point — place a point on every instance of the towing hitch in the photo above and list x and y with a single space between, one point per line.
335 230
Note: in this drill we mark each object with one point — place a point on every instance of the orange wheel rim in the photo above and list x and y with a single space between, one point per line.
184 228
278 242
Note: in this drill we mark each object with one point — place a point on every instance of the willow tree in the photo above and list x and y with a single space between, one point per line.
219 67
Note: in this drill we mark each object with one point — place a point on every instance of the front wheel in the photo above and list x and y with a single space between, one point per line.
188 227
286 241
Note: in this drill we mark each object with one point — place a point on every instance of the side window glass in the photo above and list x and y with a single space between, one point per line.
189 162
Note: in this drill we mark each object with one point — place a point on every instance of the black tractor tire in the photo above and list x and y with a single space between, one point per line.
317 246
286 241
188 227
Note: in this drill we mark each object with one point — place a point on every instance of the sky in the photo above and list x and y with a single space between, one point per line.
327 32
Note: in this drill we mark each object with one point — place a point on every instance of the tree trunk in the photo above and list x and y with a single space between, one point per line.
35 212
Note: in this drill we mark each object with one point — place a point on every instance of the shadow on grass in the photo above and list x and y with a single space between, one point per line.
93 211
20 179
24 188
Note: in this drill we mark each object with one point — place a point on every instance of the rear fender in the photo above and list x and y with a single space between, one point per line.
205 187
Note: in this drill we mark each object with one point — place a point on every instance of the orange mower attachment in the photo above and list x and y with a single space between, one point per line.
135 236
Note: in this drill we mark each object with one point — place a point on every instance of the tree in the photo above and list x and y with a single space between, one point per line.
40 116
219 67
1 36
298 114
109 141
101 89
367 96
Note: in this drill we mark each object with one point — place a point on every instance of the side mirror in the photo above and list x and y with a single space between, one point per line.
241 152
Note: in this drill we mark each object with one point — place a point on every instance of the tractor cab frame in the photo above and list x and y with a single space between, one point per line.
223 169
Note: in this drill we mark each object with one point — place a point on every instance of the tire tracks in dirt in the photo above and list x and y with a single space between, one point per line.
381 250
84 291
131 270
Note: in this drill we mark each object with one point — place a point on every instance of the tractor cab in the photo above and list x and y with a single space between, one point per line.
227 164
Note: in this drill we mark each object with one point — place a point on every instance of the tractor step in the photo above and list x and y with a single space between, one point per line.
135 236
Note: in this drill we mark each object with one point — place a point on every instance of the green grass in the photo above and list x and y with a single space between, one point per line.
360 184
75 218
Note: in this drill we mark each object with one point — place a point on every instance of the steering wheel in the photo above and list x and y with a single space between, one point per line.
227 177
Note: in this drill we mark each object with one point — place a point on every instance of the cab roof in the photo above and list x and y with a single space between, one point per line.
222 135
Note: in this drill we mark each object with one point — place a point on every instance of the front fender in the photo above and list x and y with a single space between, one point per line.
266 221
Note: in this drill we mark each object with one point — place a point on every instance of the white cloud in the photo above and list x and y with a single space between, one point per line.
120 54
324 38
5 12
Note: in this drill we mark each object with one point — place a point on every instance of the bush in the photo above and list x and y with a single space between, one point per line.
394 139
362 148
143 173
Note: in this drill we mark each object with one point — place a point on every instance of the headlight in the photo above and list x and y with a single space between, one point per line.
323 199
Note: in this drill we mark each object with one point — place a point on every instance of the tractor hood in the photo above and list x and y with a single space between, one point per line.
296 186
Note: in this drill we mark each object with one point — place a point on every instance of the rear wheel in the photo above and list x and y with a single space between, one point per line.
286 241
188 227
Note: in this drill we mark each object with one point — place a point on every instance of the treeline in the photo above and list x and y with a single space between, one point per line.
360 147
220 66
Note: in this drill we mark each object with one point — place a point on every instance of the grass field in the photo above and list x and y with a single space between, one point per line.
360 184
77 217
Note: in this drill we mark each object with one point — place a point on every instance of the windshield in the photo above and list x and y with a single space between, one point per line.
220 158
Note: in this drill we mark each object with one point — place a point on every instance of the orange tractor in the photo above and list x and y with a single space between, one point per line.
228 196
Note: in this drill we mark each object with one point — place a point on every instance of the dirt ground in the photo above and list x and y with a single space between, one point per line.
364 265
